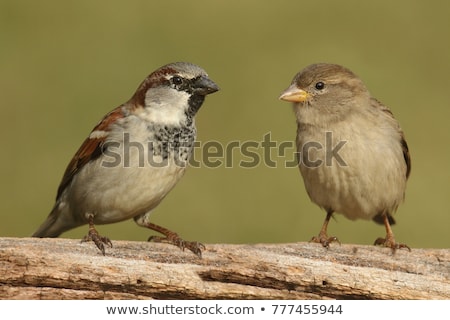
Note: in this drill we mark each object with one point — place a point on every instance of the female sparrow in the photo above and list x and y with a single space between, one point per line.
364 174
133 157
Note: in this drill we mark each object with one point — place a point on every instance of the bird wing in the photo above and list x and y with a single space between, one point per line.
405 149
91 148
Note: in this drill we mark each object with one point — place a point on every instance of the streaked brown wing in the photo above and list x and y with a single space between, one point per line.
90 149
406 155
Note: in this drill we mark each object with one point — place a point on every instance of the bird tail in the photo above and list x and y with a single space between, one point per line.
47 229
55 224
380 219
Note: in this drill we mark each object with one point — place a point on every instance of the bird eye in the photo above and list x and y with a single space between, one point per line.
320 85
176 80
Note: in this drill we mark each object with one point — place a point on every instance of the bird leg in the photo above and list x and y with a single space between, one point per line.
93 235
172 238
389 241
323 236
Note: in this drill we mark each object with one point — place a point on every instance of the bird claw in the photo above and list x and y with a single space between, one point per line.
390 243
325 240
99 240
194 246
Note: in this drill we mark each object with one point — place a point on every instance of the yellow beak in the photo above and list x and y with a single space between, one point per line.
294 94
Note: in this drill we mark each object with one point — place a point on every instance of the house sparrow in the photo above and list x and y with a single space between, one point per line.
364 174
133 157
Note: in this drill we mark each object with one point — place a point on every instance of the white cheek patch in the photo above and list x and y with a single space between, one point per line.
166 105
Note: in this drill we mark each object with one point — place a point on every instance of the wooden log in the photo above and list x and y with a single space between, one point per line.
33 268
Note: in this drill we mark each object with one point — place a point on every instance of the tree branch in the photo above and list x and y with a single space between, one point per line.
33 268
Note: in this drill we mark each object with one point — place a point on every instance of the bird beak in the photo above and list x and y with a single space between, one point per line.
204 86
294 94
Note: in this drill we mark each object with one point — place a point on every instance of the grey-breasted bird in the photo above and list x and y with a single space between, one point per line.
133 157
366 178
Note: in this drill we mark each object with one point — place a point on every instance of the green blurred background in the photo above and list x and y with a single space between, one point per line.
64 64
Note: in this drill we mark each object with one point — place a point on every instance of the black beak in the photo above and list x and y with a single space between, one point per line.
204 86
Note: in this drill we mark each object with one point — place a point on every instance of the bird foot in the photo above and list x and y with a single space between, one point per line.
99 241
324 240
173 238
389 242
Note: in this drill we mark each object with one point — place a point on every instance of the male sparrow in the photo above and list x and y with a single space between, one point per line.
352 152
133 157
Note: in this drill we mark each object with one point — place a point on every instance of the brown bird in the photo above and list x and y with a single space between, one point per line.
133 157
353 155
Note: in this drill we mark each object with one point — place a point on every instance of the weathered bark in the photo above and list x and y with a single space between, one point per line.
67 269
